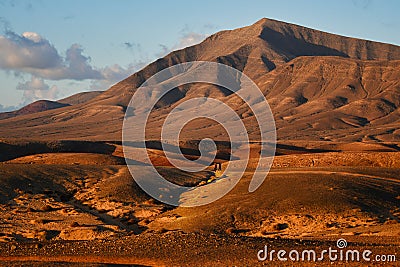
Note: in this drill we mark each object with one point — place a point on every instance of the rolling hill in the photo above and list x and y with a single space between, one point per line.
43 105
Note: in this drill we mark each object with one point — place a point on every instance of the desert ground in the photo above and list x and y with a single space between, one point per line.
66 206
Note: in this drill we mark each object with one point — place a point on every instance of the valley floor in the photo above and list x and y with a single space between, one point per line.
73 209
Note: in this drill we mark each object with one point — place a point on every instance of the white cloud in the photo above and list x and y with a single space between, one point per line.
7 108
187 39
116 72
31 53
34 84
33 36
113 74
27 51
37 89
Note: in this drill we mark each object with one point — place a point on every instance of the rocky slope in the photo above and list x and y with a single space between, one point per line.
320 86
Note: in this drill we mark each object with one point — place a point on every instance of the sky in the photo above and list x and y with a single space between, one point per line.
52 49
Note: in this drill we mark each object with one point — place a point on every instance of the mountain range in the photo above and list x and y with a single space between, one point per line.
320 87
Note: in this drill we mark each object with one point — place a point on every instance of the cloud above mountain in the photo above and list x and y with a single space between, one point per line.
187 39
36 89
7 108
114 73
31 53
28 51
32 56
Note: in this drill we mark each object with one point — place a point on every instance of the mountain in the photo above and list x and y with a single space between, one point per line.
43 105
37 106
320 86
80 98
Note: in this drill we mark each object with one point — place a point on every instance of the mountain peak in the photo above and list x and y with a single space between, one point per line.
264 22
287 37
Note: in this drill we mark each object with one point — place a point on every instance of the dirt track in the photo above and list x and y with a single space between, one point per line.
277 171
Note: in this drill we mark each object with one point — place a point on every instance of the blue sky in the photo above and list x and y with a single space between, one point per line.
50 49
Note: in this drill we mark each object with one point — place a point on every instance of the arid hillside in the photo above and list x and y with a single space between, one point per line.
320 86
44 105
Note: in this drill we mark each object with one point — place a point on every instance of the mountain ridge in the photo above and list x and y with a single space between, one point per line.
34 107
268 52
44 105
237 46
